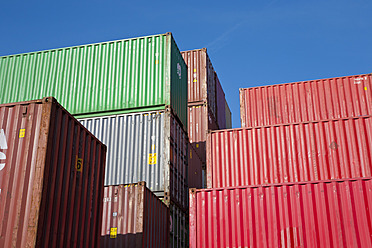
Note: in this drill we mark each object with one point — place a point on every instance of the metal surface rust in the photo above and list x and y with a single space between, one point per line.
145 146
200 121
51 177
123 76
314 100
290 153
134 217
201 78
309 214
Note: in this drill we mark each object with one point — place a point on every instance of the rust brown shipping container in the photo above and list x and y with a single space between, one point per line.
309 151
133 216
325 214
201 78
200 121
51 177
220 103
195 169
314 100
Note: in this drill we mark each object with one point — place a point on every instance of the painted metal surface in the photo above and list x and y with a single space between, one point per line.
220 103
228 116
308 214
145 146
314 100
134 217
201 79
51 177
145 73
195 169
179 227
200 121
290 153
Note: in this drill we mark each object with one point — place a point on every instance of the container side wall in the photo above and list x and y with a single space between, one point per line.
220 103
310 214
290 153
108 76
179 227
195 169
228 116
133 217
315 100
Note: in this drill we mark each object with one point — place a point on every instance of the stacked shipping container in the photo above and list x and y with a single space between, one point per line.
51 177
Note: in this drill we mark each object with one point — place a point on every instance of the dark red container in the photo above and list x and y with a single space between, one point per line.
51 177
220 101
195 169
290 153
201 78
200 121
314 100
309 214
134 217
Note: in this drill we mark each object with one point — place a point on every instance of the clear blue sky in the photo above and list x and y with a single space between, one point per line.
250 43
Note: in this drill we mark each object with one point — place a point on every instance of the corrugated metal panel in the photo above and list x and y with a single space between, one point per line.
200 121
51 177
146 146
220 101
201 80
228 116
179 227
311 214
313 100
195 169
134 217
123 76
290 153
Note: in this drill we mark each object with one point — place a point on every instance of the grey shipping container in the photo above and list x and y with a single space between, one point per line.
134 217
51 177
146 146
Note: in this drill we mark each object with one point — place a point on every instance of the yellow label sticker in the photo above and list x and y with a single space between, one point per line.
194 70
22 132
190 154
153 147
365 88
156 62
197 145
79 164
113 232
152 158
195 80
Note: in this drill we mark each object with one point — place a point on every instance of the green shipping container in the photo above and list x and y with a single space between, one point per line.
131 75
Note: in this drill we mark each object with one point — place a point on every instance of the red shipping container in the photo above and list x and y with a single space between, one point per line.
195 169
221 101
290 153
134 217
201 78
51 177
200 121
309 214
314 100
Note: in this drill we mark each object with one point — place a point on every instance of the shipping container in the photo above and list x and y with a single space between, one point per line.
145 146
228 116
134 217
308 214
130 75
313 100
290 153
51 177
220 103
200 121
195 169
179 227
201 78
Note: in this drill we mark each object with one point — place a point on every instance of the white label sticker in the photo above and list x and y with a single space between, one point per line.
179 70
4 146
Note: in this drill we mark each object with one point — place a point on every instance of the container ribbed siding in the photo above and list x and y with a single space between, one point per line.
195 169
146 73
314 100
134 217
309 214
201 78
290 153
145 146
228 116
220 103
51 177
179 227
200 121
